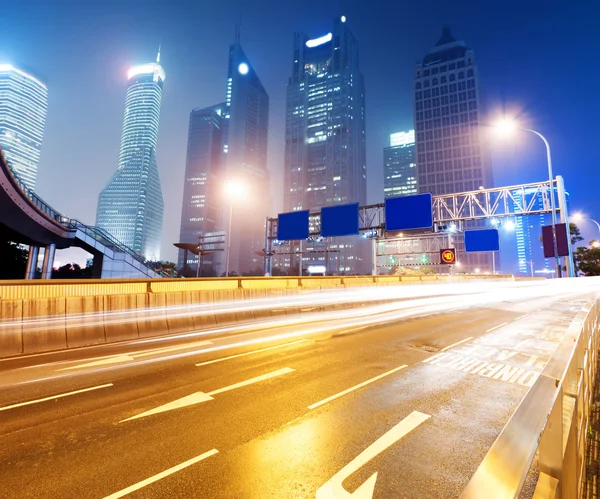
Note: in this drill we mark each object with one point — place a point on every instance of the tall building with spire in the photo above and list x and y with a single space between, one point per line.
452 153
23 108
131 205
242 123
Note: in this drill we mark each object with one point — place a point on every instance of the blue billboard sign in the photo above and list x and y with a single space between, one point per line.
409 212
292 226
341 220
478 241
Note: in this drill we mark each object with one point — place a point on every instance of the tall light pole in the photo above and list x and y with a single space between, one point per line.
509 126
233 190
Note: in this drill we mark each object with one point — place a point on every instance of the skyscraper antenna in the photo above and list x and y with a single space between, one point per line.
238 29
158 55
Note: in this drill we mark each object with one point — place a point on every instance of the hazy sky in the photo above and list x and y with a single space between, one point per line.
537 59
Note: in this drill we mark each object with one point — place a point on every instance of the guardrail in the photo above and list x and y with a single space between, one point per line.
27 289
552 421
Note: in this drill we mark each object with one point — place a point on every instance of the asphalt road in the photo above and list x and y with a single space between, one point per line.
392 401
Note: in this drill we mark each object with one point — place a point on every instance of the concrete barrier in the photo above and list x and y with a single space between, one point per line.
151 307
46 336
11 328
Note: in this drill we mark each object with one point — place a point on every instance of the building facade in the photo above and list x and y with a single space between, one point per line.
23 109
452 154
399 165
131 206
240 126
245 157
325 160
203 170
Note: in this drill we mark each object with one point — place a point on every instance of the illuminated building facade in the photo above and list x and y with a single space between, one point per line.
131 205
325 161
451 151
399 166
240 126
200 210
23 108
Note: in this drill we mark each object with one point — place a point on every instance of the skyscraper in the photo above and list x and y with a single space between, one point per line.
203 170
325 161
451 151
245 134
23 108
451 156
325 122
240 127
399 166
131 206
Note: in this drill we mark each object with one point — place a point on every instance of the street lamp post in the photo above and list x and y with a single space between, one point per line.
508 126
233 190
580 216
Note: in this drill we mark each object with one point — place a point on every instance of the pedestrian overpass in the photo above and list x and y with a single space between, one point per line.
25 218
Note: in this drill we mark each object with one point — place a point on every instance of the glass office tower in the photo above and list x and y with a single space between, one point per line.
399 166
203 169
325 161
131 205
23 108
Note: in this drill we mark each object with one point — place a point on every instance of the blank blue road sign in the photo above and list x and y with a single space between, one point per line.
408 212
292 226
341 220
478 241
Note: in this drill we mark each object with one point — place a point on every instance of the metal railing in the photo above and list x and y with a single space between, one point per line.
95 233
552 421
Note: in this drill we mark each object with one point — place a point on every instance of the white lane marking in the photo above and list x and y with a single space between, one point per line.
356 387
199 397
101 362
333 488
172 349
134 355
496 327
521 317
161 475
456 344
251 381
53 397
249 353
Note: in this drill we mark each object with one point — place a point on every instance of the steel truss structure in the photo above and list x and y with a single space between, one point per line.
497 202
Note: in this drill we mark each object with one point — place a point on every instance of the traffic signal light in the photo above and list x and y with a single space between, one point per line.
424 259
392 260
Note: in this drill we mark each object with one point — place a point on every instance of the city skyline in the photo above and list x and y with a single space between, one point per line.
383 107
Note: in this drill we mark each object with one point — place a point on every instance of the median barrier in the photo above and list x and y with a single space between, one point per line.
89 327
45 337
126 330
11 328
157 307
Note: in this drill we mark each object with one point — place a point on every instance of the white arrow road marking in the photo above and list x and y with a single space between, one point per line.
6 408
333 488
199 397
135 355
161 475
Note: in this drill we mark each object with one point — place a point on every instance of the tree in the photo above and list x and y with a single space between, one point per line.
587 259
14 260
576 236
72 271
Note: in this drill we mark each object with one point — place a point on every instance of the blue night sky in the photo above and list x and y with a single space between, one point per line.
537 61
